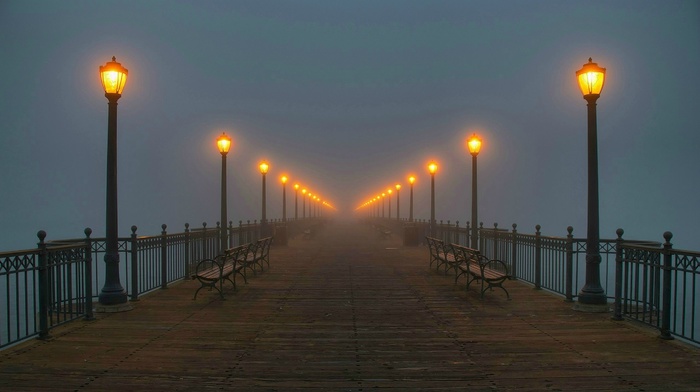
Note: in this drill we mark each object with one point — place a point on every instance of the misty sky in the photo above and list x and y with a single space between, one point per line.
349 98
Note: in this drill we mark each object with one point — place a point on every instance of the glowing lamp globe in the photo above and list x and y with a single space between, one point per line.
113 77
223 143
591 79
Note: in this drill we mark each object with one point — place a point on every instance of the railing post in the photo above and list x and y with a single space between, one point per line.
230 234
469 234
164 257
206 253
617 315
480 233
43 288
134 265
186 273
514 254
569 265
240 233
538 258
88 276
456 236
666 308
495 241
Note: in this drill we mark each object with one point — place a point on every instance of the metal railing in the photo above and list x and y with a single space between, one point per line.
656 285
59 280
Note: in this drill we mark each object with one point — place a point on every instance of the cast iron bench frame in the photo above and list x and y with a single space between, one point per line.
212 272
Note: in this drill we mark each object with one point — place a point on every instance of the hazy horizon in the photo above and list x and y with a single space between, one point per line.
348 99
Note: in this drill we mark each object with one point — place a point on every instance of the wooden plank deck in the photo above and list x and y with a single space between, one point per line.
349 312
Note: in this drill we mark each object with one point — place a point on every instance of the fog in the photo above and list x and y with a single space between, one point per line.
349 99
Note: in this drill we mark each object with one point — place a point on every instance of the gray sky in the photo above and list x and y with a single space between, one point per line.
349 98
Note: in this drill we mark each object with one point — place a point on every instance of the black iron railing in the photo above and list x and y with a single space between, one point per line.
59 280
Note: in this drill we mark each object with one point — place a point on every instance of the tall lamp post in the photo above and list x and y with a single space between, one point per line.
411 180
113 77
264 167
432 168
224 144
398 188
296 201
474 146
383 197
389 191
303 203
591 79
284 198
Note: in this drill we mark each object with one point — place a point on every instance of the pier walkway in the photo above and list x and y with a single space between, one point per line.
346 311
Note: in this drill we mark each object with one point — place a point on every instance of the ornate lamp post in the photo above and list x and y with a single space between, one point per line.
383 197
432 168
113 77
303 203
296 201
411 180
264 167
224 144
591 79
474 146
389 191
284 198
398 188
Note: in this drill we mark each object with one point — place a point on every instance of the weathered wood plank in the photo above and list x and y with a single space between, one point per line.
343 312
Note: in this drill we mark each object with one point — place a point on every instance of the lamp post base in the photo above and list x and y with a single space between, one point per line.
591 308
100 308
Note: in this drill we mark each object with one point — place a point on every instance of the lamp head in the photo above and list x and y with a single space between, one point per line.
284 179
398 187
113 77
223 143
474 145
432 167
412 180
591 78
264 167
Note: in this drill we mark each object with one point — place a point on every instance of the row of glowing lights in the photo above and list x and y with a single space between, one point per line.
224 144
473 144
590 78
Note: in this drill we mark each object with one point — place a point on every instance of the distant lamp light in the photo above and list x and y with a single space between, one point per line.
591 78
398 187
284 179
113 77
264 167
432 167
224 143
411 180
474 145
296 187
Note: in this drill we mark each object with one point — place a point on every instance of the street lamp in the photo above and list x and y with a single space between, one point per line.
296 201
224 144
398 188
591 79
303 203
264 167
383 196
113 77
474 146
411 180
432 168
389 191
284 198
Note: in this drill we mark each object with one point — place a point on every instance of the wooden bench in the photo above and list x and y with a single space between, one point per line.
383 232
441 254
257 254
475 266
211 273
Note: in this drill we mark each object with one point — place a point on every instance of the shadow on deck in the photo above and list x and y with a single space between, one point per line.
347 311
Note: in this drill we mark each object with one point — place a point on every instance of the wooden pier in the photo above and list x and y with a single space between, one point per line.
347 311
